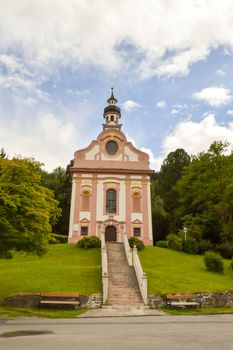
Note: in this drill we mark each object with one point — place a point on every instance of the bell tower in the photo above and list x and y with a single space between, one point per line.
112 113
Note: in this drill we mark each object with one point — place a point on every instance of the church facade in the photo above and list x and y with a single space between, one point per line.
111 186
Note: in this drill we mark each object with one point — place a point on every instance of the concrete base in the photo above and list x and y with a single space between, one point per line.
121 311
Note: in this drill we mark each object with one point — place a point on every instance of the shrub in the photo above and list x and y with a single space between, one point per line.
89 242
213 262
204 246
225 250
52 240
174 241
55 238
189 245
162 244
134 241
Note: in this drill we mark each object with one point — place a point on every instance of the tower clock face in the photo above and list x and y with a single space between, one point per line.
111 147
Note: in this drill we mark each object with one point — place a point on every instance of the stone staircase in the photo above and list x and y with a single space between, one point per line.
123 289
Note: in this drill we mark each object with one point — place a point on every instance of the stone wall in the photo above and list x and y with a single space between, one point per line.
207 299
92 301
27 300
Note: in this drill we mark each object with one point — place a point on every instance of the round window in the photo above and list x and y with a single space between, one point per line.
111 147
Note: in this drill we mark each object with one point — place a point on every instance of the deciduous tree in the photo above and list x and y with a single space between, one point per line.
27 209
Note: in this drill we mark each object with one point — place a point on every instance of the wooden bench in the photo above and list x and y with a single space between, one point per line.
181 301
69 299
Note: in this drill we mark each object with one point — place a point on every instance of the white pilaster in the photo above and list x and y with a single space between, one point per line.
149 212
72 208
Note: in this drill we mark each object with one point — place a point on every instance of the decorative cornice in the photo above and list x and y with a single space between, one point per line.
112 171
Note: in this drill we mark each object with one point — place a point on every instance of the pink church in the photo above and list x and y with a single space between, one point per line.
111 186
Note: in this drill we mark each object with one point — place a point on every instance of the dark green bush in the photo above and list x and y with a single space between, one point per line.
6 255
89 242
213 262
204 246
162 244
189 245
225 250
134 241
174 241
54 238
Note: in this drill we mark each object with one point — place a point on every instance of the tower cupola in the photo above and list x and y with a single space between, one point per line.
112 113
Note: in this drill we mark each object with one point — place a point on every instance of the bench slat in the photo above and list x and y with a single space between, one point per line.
59 302
183 303
180 297
60 295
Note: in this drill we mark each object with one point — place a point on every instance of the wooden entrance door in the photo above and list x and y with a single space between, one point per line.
110 234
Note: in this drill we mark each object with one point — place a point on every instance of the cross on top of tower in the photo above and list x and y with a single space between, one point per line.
112 99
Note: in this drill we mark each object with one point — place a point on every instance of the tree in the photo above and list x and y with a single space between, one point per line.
59 180
3 153
27 209
170 172
206 193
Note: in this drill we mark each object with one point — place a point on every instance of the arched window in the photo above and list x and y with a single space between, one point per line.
112 118
111 201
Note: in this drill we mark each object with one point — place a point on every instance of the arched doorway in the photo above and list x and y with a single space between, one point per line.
110 234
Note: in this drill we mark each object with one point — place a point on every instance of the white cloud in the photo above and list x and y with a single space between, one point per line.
214 96
155 163
131 105
161 104
220 72
57 147
196 137
22 78
72 32
178 108
230 112
49 133
77 92
174 111
193 137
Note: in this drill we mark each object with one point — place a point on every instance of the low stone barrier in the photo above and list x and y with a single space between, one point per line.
206 299
92 301
27 300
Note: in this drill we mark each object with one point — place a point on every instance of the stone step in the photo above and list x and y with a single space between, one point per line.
128 304
116 301
125 307
123 286
128 297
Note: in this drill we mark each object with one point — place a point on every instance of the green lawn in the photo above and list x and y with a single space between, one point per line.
176 272
64 268
13 312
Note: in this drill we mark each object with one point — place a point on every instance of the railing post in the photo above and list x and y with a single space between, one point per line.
144 288
104 268
135 253
141 276
128 250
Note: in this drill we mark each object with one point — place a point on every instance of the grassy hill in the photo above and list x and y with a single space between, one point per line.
170 271
64 268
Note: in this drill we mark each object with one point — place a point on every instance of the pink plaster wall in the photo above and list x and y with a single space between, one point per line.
112 167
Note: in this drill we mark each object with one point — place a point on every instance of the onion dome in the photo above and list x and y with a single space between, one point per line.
112 108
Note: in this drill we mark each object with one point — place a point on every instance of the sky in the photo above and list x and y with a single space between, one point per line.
170 63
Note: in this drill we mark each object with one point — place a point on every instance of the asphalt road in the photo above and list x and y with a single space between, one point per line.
144 333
